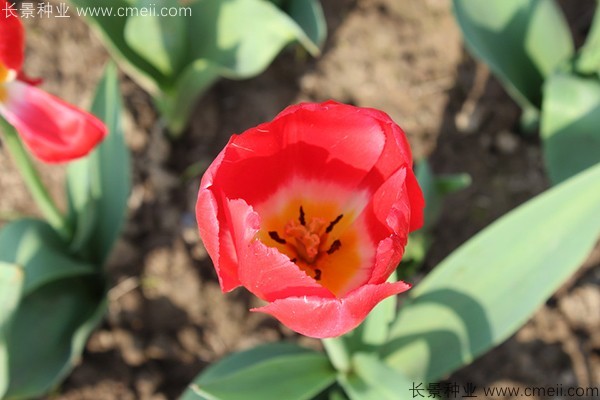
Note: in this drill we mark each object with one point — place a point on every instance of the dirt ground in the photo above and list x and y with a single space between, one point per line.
167 317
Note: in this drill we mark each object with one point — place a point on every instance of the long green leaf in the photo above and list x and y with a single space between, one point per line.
588 61
278 371
308 14
112 30
11 282
48 334
570 126
40 252
99 184
374 380
242 37
484 291
522 41
177 105
161 40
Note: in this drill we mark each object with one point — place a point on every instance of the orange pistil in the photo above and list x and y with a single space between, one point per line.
307 237
5 76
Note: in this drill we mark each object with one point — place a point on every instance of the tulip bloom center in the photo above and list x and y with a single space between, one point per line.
6 75
320 235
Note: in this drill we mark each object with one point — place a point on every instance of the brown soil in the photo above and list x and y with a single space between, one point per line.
167 317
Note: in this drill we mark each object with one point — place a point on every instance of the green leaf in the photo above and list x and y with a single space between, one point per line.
570 121
372 332
522 41
112 30
11 282
98 185
484 291
242 37
308 14
373 380
161 40
276 371
177 105
36 247
60 302
435 188
48 334
588 61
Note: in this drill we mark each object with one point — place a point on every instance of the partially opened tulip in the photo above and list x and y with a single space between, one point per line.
311 213
53 130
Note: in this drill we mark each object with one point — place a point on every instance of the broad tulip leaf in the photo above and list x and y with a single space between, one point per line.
40 252
99 184
48 334
570 125
276 371
161 40
308 14
59 300
373 331
242 37
373 380
485 290
177 104
588 61
522 41
112 30
435 188
11 282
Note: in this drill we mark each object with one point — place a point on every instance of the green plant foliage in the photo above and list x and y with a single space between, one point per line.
522 41
59 299
371 379
274 371
54 290
484 291
435 188
98 185
11 282
570 125
588 61
176 58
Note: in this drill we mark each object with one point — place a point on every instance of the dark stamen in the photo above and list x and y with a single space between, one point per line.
275 236
294 260
302 220
332 224
317 274
334 246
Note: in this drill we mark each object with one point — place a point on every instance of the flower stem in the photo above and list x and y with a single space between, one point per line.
33 181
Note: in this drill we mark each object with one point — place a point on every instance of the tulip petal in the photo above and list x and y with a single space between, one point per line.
12 37
52 129
326 317
416 201
310 145
214 231
263 270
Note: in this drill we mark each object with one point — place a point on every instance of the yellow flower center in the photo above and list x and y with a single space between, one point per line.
320 240
6 75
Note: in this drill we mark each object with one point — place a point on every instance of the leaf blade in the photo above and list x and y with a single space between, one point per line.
458 311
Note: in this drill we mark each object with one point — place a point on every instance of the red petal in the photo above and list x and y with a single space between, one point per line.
53 130
326 317
12 37
263 270
214 230
341 145
417 202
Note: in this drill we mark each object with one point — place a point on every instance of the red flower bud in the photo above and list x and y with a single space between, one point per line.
54 131
311 213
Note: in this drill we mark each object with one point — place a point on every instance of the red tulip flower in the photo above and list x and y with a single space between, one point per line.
54 131
311 213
